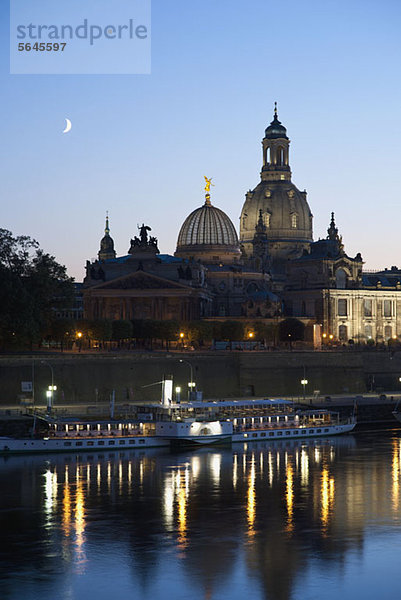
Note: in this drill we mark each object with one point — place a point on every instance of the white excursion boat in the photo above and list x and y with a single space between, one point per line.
171 425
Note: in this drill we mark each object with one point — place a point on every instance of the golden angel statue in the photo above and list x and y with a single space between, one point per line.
208 183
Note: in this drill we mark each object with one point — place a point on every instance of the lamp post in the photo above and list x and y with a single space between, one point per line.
304 383
178 394
191 385
51 388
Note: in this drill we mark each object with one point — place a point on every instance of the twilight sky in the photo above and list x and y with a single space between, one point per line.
140 144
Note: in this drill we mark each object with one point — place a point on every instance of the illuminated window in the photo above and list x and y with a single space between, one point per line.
294 221
368 331
267 220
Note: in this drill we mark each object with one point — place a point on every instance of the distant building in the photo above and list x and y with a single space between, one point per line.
273 269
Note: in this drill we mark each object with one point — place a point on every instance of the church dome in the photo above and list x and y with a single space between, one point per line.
277 202
208 234
276 129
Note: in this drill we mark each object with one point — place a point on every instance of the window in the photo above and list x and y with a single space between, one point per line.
311 431
100 443
141 441
267 220
279 433
342 308
342 333
368 332
112 443
326 430
280 155
78 443
90 443
341 279
388 332
132 441
367 308
67 443
121 442
294 221
303 432
295 432
288 433
271 434
387 312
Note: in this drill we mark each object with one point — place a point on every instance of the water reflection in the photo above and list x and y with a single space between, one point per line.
251 520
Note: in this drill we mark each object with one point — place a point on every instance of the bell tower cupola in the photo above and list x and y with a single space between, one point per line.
106 244
276 152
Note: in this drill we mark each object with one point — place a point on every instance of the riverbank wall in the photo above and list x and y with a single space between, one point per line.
135 377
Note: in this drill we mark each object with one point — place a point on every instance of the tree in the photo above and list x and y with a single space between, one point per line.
291 330
232 331
32 286
99 330
122 330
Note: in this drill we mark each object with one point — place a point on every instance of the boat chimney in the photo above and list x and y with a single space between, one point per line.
167 390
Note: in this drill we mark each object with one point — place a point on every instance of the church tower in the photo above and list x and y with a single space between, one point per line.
276 201
106 244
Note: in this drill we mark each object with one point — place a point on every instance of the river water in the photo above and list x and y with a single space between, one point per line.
314 520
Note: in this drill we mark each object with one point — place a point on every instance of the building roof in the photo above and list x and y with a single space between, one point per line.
207 226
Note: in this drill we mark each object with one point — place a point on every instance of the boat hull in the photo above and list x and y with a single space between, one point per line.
291 432
24 445
29 445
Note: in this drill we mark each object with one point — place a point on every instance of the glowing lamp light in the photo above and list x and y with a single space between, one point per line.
79 334
250 334
181 335
331 336
178 389
324 335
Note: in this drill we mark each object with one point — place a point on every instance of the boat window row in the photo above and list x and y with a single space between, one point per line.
287 433
90 443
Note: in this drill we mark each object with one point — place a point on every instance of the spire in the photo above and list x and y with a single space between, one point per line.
106 243
332 230
260 226
275 110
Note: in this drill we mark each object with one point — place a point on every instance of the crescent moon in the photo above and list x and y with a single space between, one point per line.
68 126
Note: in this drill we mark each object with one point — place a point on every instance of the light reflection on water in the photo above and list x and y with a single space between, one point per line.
278 521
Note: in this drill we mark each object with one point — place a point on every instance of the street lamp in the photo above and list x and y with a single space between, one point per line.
191 384
178 394
304 383
51 388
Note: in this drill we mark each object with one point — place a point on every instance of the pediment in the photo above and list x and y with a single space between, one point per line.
140 281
